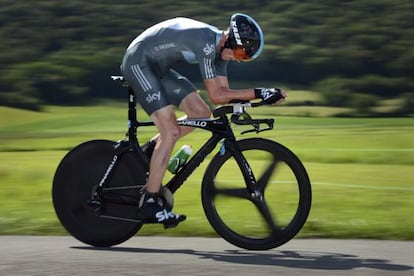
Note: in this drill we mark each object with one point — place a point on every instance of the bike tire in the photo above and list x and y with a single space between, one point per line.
78 172
284 184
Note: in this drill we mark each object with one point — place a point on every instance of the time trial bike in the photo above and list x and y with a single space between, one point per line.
255 192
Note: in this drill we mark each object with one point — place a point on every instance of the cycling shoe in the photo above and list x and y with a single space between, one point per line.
153 210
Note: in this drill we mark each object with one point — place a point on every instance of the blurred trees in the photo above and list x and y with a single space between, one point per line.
62 52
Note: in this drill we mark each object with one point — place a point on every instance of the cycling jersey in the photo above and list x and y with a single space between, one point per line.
148 60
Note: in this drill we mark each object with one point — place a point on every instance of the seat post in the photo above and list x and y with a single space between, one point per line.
132 111
132 115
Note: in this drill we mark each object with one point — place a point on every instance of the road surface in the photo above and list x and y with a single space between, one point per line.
46 255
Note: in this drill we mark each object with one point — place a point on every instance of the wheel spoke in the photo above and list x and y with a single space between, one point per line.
268 217
233 192
264 179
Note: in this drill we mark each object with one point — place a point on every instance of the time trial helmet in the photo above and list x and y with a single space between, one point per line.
245 37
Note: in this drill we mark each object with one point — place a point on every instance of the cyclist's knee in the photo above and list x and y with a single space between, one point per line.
169 133
195 107
202 111
173 132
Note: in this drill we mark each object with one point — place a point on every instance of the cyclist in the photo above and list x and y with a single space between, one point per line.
146 66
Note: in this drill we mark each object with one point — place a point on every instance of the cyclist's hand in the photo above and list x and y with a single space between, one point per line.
270 95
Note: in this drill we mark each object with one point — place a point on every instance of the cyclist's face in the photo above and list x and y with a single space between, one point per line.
228 55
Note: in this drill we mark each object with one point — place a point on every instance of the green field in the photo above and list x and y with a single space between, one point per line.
362 170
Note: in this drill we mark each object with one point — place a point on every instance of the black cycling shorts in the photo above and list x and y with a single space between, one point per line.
154 90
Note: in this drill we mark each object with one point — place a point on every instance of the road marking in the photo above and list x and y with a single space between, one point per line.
348 185
362 186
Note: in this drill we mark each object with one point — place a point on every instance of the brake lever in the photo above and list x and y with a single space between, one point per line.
251 130
256 129
256 126
246 119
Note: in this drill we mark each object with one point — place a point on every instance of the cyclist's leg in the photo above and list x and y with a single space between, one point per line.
153 207
180 92
195 107
152 97
168 134
183 94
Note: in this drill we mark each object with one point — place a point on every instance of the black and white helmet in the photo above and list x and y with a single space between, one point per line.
245 37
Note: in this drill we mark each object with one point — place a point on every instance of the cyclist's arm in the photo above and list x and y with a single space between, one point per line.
220 93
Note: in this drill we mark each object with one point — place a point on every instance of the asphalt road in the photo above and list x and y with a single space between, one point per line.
29 255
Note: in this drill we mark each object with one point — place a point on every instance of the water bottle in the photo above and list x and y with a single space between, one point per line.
179 158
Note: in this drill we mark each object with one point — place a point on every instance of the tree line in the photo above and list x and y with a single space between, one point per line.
62 52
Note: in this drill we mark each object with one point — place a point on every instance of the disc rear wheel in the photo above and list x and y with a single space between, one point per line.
81 170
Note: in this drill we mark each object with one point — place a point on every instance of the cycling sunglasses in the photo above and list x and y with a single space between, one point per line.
240 53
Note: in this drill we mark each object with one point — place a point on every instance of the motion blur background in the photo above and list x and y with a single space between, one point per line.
355 53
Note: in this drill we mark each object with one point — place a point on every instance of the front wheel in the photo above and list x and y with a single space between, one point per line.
272 216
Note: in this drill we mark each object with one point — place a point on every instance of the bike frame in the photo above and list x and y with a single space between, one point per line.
220 129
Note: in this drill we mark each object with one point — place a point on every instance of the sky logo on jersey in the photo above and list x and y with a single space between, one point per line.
153 97
209 49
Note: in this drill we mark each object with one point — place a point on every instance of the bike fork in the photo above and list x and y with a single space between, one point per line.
248 175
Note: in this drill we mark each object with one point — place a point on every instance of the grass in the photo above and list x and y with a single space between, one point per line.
361 169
